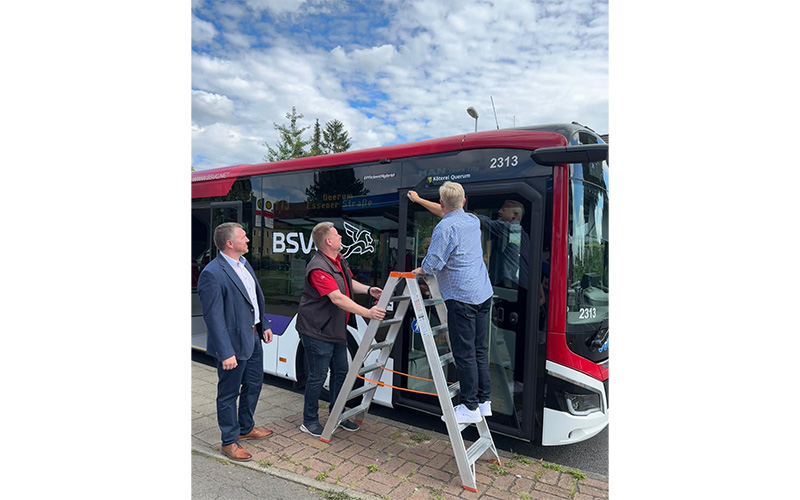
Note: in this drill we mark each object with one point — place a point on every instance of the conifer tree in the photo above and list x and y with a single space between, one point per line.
316 141
335 138
291 144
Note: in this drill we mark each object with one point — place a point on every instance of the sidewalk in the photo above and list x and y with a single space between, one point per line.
383 460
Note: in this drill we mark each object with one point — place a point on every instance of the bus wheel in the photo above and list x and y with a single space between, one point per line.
302 368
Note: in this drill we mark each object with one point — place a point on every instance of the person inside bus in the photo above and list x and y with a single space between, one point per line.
326 307
233 307
455 258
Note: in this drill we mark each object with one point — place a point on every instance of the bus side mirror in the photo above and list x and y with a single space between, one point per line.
584 153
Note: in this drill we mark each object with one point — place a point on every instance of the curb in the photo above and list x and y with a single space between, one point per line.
290 476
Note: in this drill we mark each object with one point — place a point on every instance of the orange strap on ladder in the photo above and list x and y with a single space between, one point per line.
383 384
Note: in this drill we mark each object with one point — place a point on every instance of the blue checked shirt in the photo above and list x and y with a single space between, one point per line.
455 257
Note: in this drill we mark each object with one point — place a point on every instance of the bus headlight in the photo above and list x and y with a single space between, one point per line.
582 404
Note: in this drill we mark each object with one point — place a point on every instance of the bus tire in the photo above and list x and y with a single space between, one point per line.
302 367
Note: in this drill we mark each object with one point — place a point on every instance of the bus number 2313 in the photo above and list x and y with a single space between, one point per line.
508 161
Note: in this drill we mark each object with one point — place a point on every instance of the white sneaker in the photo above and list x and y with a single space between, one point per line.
465 415
485 408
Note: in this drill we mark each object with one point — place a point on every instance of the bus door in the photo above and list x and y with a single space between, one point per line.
205 217
511 216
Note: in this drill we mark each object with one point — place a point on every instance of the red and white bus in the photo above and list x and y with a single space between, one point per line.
548 336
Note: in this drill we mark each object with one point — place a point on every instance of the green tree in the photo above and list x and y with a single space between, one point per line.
291 144
335 138
316 141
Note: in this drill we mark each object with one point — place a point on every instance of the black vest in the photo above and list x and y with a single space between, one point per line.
317 316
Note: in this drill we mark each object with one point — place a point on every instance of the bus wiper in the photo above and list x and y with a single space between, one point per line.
600 337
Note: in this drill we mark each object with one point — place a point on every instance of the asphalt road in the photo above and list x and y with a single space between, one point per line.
215 479
588 456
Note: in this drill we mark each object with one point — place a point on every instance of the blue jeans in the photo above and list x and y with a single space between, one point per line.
467 324
319 356
243 382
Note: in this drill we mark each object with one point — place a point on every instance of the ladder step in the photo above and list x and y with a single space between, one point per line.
381 345
438 329
477 449
454 389
432 302
361 390
392 321
354 411
399 298
446 358
369 368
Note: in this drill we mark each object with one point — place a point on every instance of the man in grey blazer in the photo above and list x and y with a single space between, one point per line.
233 309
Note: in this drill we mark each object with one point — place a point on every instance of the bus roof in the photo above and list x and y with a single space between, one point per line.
217 182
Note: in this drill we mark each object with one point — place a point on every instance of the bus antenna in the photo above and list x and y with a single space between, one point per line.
495 113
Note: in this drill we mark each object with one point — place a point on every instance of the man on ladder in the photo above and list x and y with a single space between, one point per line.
455 257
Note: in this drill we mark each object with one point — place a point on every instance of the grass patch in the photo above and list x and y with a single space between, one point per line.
322 476
420 437
372 467
335 495
498 469
519 458
524 496
576 474
555 467
264 463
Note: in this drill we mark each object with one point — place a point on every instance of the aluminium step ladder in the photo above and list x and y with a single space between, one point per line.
465 457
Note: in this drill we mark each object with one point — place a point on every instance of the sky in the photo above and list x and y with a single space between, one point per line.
392 71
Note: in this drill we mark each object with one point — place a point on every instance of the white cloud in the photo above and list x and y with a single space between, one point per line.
209 108
276 6
203 32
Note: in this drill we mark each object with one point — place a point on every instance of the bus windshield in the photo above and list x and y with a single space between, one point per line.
587 281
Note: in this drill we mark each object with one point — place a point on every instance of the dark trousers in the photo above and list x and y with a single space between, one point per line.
467 325
319 356
242 383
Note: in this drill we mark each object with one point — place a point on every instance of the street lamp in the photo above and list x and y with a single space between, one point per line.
471 112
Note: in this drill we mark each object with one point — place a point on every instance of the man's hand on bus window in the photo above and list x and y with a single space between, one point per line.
376 312
230 363
430 206
268 335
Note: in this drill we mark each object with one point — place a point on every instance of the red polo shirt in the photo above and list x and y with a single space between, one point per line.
324 282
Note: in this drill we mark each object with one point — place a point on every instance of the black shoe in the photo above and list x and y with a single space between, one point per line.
314 429
349 426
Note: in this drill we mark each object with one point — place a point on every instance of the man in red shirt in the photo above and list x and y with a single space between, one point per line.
322 317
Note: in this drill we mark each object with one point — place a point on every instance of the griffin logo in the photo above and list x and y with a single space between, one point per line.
362 241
